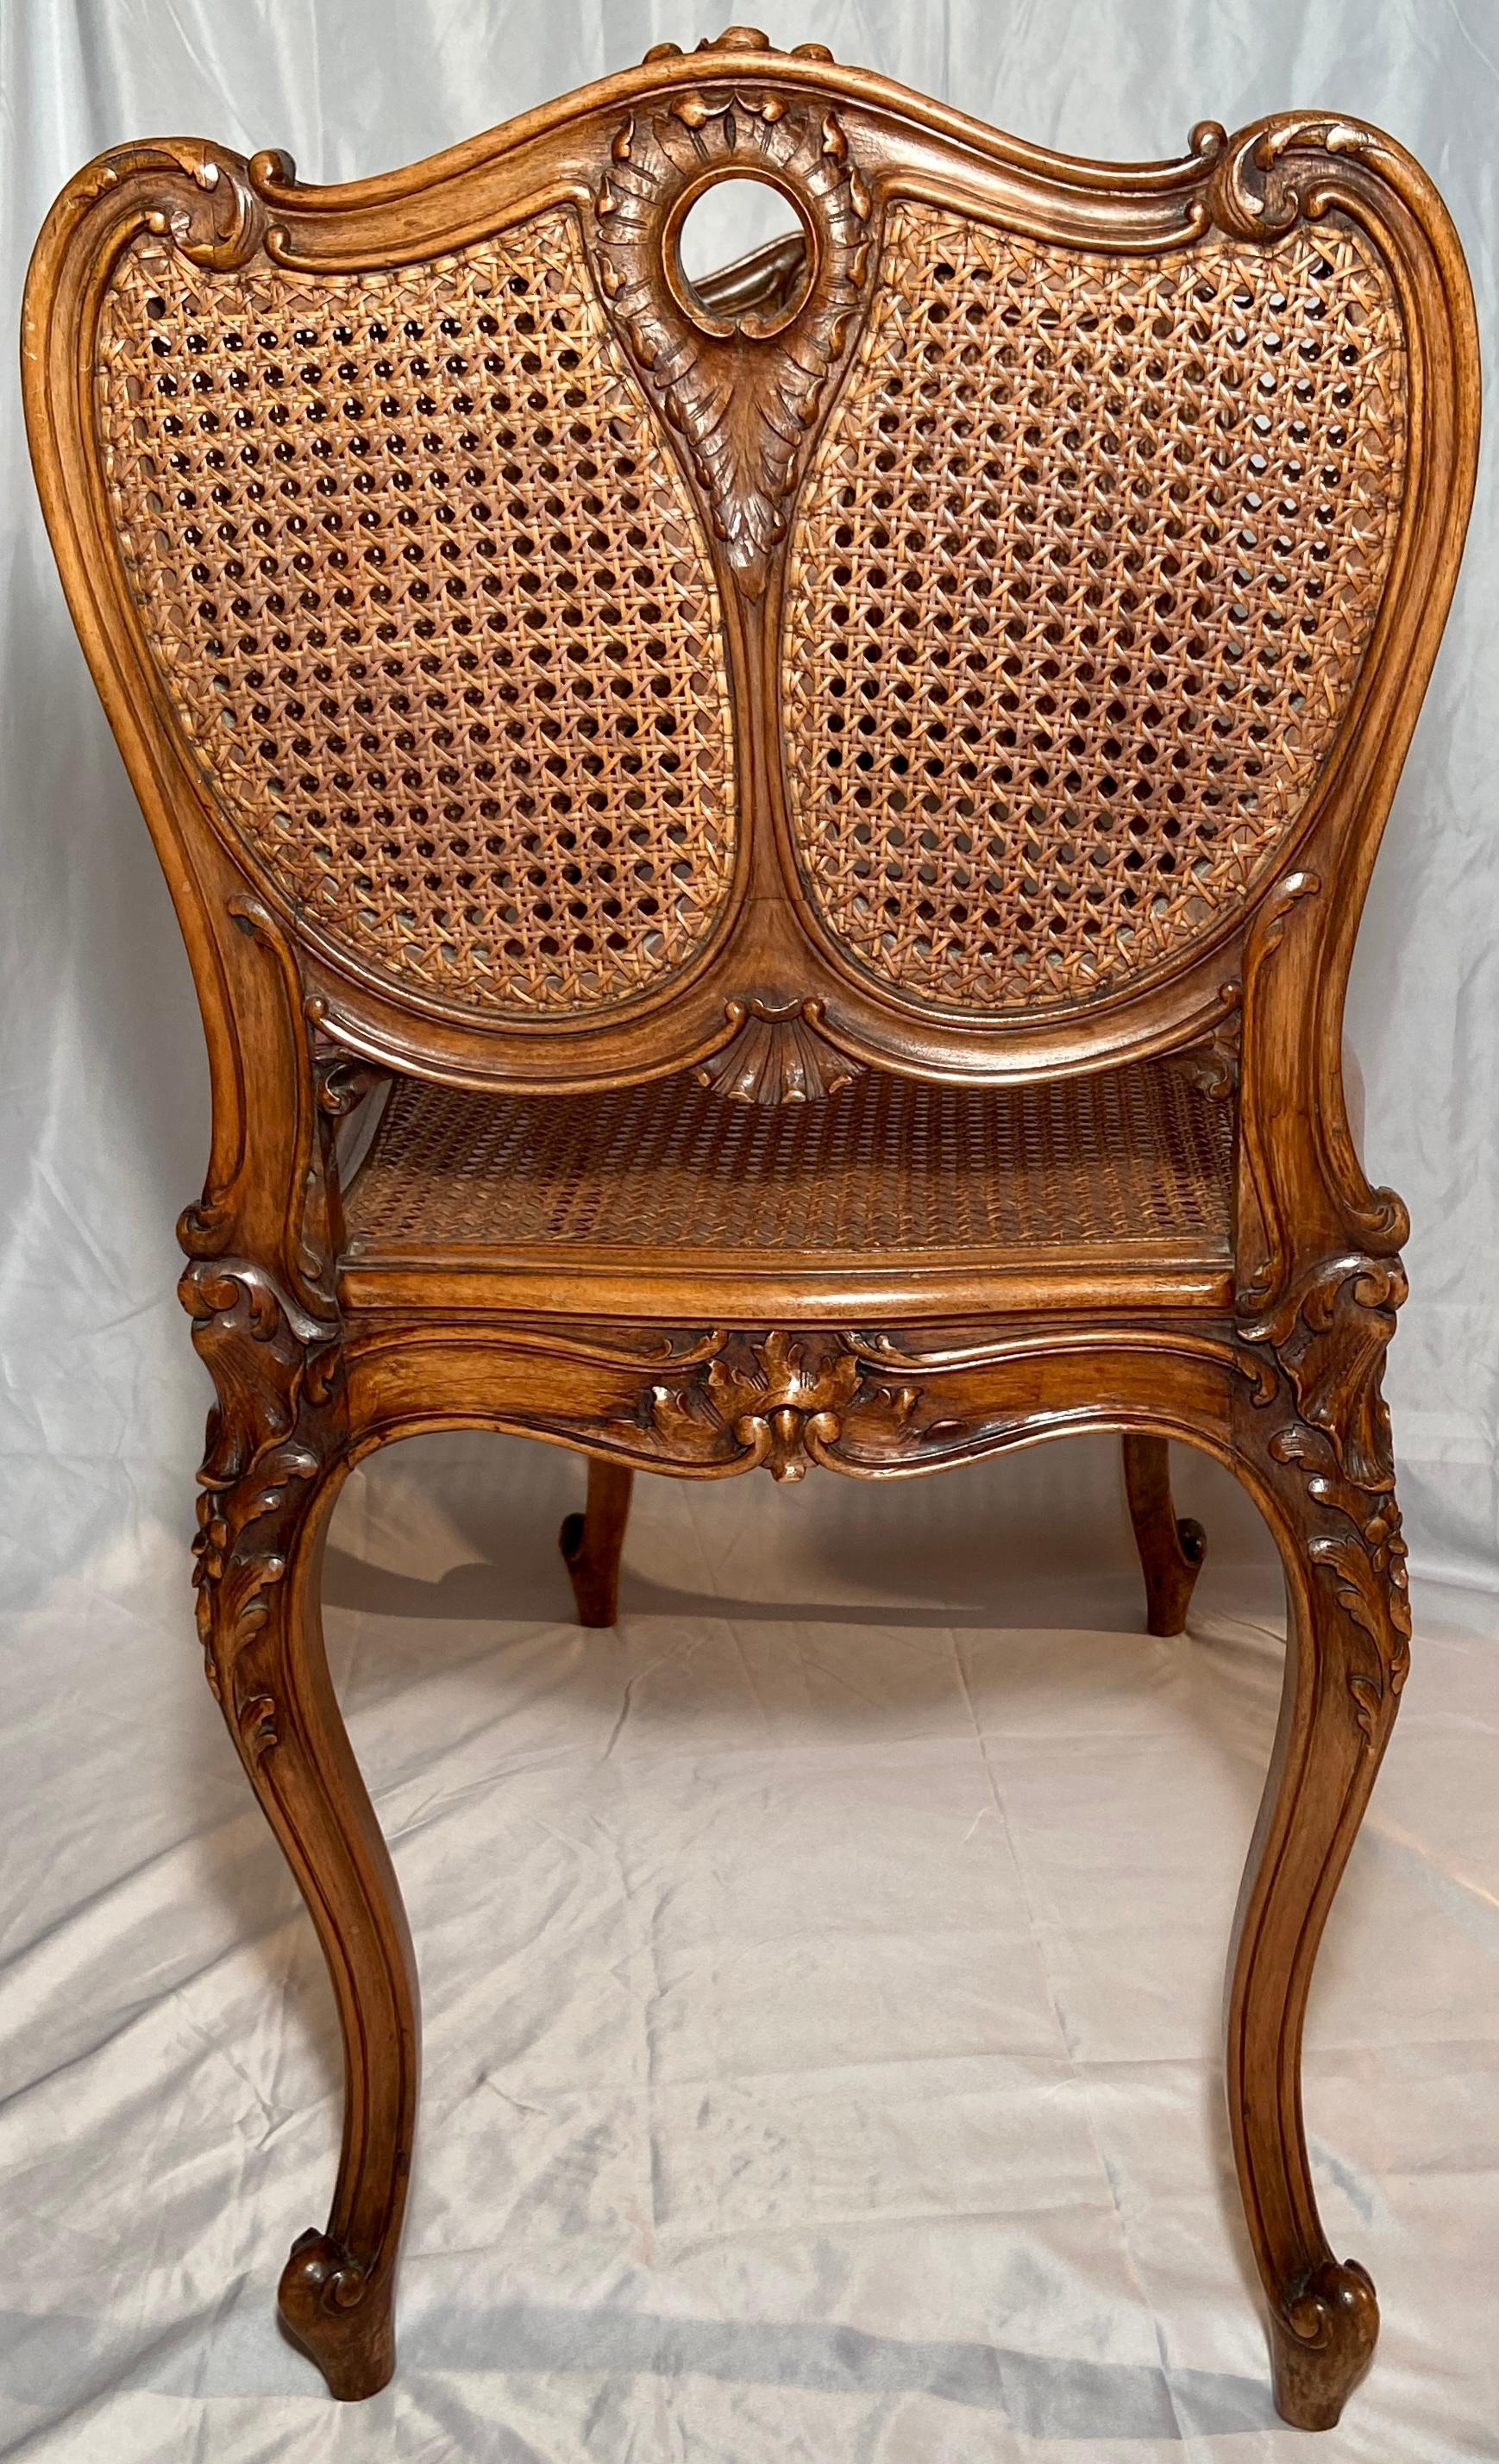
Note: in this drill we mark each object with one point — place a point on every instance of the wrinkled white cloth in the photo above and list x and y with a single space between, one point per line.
822 1976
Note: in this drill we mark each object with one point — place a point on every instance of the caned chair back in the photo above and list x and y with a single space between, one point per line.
939 633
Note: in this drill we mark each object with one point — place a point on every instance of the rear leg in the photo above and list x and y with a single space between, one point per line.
591 1542
1171 1551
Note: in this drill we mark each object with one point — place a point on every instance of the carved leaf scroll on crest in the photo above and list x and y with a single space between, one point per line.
744 386
1268 175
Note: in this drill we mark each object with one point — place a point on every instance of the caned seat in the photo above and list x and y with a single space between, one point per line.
770 863
1123 1173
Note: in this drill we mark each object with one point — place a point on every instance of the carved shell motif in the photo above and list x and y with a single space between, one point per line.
777 1057
743 385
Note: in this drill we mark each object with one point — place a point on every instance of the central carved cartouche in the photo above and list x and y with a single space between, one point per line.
742 389
780 1399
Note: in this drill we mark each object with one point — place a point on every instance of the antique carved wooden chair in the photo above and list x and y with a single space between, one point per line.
827 810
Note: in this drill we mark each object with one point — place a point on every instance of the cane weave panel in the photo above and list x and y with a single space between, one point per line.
1079 587
434 609
886 1164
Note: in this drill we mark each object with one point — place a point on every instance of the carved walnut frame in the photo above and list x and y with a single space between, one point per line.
1273 1366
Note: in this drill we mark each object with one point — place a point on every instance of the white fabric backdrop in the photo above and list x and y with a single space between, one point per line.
119 1795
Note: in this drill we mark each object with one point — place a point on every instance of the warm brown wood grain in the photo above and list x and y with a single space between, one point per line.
827 812
591 1542
1170 1550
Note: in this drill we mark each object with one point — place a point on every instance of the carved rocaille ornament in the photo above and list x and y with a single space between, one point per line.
1327 1336
742 388
777 1398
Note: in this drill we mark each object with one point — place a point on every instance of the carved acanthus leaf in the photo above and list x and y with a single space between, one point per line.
278 1379
1327 1336
778 1056
1329 1331
742 388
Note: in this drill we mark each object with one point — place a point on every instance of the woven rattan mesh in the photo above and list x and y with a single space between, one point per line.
435 607
887 1164
1080 583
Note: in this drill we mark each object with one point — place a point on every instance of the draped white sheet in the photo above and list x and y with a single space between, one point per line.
821 1982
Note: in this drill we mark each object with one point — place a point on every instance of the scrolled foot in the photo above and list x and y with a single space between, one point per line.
1322 2339
340 2315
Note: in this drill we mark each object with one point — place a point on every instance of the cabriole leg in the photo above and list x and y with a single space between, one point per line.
277 1458
591 1542
267 1666
1324 1475
1170 1552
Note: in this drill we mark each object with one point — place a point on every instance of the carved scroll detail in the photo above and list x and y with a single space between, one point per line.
1212 1065
742 388
321 2284
343 1081
328 2274
777 1057
1273 173
1328 1335
211 206
1334 2310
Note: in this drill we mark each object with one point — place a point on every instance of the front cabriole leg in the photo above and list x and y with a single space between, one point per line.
1312 1439
277 1457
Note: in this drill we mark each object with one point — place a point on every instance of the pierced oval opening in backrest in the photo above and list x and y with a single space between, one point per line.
742 247
1082 575
434 609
